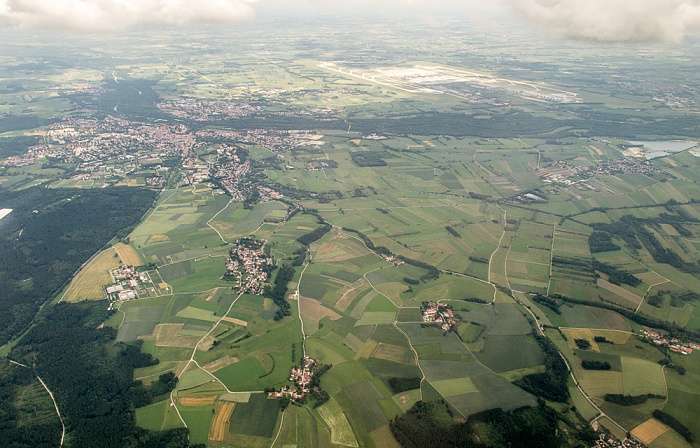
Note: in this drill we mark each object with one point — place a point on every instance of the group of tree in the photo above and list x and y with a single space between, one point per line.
278 293
552 383
630 400
616 276
595 365
314 235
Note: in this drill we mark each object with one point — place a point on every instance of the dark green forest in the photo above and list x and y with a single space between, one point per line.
49 235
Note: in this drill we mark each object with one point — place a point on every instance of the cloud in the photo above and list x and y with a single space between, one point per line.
612 20
98 15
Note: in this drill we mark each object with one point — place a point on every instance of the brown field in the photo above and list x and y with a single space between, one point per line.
233 320
220 364
207 343
394 353
670 230
128 255
220 423
350 294
580 333
314 310
157 239
198 401
87 285
649 431
267 304
167 336
598 151
620 291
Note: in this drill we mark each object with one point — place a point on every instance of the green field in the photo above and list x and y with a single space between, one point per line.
257 417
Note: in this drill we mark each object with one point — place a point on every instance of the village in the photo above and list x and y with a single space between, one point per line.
673 344
609 441
301 377
248 265
439 313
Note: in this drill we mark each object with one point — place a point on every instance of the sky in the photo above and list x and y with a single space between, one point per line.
613 21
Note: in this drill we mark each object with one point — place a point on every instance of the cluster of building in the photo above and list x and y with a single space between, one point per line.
128 284
673 344
392 259
230 174
609 441
198 110
440 313
249 265
272 139
562 173
109 147
301 377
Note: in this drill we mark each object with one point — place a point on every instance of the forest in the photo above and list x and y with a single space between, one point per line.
91 378
49 235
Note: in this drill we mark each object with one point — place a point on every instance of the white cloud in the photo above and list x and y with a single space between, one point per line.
613 20
97 15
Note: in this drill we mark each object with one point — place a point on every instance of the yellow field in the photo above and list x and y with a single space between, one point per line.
198 401
580 333
87 285
221 421
128 255
233 320
367 349
649 431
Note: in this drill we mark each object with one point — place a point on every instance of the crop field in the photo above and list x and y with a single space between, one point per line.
170 272
257 417
333 415
499 193
649 431
221 420
158 417
139 320
89 282
128 254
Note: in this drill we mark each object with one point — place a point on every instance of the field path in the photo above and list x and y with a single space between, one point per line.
415 353
63 426
301 319
214 217
500 241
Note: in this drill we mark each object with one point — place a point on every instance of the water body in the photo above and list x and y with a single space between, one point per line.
4 212
665 148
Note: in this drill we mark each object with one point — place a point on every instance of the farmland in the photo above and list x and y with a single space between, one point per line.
89 283
520 189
